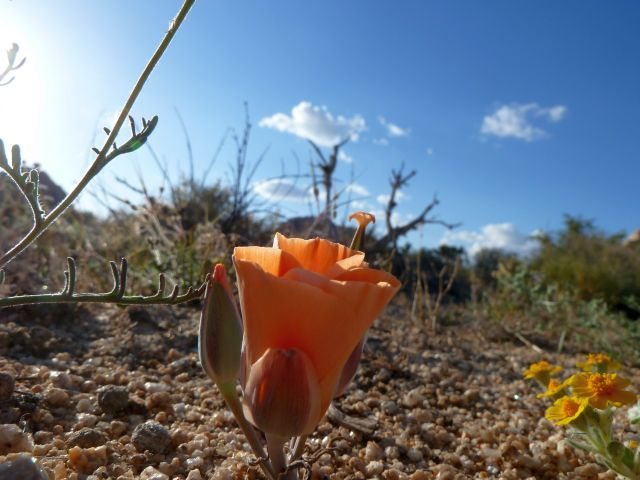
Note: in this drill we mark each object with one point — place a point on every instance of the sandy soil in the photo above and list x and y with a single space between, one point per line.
105 392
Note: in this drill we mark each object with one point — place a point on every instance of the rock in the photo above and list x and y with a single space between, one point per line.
113 399
151 436
389 407
413 398
151 473
7 384
14 440
86 460
87 437
373 452
57 397
23 467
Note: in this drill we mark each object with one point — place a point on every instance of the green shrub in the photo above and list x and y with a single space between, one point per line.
592 264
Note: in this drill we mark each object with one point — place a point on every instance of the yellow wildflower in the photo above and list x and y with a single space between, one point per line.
565 410
554 388
602 389
541 371
598 362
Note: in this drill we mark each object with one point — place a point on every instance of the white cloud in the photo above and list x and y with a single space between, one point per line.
393 130
495 235
317 124
357 189
280 189
515 121
383 199
429 151
345 157
381 141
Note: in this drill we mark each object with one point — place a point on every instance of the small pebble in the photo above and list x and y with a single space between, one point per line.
57 397
83 405
14 440
151 436
7 384
151 473
113 399
87 437
23 467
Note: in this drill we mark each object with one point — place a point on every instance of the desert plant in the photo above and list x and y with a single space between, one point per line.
27 182
594 264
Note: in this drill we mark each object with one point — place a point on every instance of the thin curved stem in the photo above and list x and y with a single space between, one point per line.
103 158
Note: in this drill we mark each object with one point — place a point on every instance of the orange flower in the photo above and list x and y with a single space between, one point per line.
554 389
312 296
602 389
565 410
598 362
541 371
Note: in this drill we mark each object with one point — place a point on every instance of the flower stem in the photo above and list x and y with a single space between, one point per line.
232 401
102 159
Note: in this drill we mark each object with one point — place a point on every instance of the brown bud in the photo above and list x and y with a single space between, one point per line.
282 394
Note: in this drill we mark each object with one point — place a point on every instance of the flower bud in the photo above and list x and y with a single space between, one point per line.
350 368
363 219
220 337
282 394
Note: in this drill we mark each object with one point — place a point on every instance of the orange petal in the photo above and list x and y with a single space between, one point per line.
323 318
271 260
317 255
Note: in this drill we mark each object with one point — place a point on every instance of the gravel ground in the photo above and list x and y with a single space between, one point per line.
111 393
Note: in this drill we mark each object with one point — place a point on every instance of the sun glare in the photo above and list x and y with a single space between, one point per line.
21 102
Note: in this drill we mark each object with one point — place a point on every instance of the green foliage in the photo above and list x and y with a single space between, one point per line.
523 302
485 265
592 264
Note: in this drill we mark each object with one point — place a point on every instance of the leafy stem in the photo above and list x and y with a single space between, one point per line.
117 295
105 154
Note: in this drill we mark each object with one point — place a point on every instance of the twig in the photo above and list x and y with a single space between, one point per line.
523 339
104 155
117 295
12 53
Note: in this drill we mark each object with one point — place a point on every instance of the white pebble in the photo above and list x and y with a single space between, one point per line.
194 475
151 473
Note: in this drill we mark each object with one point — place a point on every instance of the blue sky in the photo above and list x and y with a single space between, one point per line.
514 113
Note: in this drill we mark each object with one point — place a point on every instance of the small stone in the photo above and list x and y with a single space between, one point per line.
420 475
23 467
151 436
57 397
61 379
374 468
389 407
413 398
194 475
7 384
373 452
113 399
151 473
414 455
14 440
87 437
86 460
83 405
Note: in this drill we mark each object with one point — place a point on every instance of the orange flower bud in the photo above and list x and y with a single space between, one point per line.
313 296
363 219
220 337
282 395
